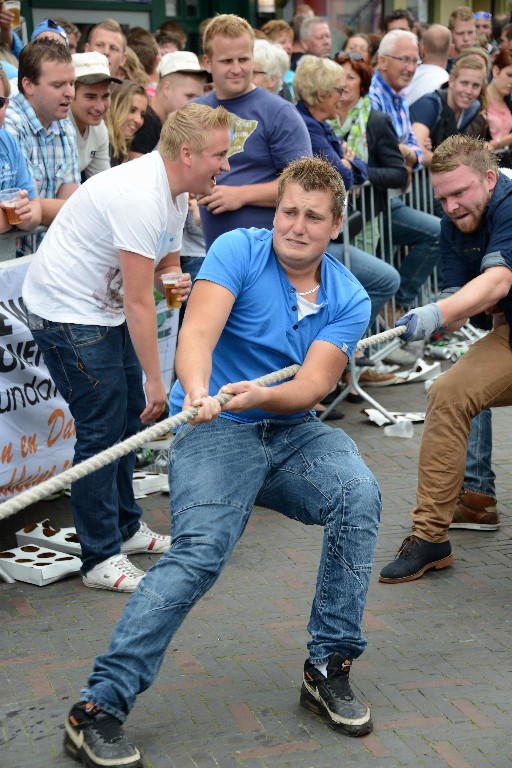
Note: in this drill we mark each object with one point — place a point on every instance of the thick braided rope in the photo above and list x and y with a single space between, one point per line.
55 484
379 338
90 465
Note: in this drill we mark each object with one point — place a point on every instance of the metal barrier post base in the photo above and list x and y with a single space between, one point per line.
354 375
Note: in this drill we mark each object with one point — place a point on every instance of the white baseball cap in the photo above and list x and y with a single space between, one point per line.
92 67
179 61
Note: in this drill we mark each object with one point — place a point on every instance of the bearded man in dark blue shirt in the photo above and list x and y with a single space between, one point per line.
476 251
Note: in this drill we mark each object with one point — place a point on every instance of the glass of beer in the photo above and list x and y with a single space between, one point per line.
14 7
9 199
169 280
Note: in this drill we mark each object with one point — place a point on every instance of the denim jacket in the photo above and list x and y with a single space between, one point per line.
465 256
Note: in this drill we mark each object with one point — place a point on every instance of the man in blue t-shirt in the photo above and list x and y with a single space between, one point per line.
266 134
476 250
262 301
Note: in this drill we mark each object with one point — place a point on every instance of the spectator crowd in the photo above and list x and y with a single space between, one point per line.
131 146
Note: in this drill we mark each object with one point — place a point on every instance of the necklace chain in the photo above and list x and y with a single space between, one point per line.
307 293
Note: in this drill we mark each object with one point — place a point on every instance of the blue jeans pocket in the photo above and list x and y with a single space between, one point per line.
49 341
85 335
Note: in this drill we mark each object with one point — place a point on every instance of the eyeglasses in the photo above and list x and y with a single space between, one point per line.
483 15
258 72
407 60
3 101
354 55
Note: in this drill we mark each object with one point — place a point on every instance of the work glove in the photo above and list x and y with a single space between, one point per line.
421 322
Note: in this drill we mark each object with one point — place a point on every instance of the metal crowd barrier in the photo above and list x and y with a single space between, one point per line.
376 234
361 198
11 241
376 230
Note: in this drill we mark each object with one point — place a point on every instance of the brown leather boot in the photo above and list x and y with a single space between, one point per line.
475 511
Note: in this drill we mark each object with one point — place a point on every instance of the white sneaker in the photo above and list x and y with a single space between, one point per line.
146 541
117 573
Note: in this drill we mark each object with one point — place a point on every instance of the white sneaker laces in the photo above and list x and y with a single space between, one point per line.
126 567
144 528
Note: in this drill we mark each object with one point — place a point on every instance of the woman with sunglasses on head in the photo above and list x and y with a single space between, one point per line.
359 43
15 173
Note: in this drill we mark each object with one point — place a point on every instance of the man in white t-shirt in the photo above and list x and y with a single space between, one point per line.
90 307
431 73
92 100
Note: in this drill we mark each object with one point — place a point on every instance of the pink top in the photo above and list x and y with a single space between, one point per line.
499 118
150 90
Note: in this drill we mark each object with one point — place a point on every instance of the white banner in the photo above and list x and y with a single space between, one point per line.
167 323
37 433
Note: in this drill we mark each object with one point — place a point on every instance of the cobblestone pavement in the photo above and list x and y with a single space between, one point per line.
437 672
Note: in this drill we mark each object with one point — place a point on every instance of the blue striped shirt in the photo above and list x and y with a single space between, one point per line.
51 154
387 100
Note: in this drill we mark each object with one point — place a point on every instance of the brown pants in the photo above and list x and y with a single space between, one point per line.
480 379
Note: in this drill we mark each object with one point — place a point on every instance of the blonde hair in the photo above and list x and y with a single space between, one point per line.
272 60
475 50
462 13
5 82
460 149
314 174
315 77
110 25
227 25
473 60
275 28
132 69
120 105
191 125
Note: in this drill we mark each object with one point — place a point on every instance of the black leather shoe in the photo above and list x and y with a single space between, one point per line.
364 362
331 397
414 557
334 415
353 397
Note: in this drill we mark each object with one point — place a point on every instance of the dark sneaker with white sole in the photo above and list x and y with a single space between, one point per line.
97 739
414 557
333 697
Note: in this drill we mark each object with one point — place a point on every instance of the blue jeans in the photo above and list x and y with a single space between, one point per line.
218 471
192 265
420 231
479 475
96 370
379 279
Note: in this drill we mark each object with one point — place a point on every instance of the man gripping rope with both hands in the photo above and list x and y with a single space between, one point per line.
476 249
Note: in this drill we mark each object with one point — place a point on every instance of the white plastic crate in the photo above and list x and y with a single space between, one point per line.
38 565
